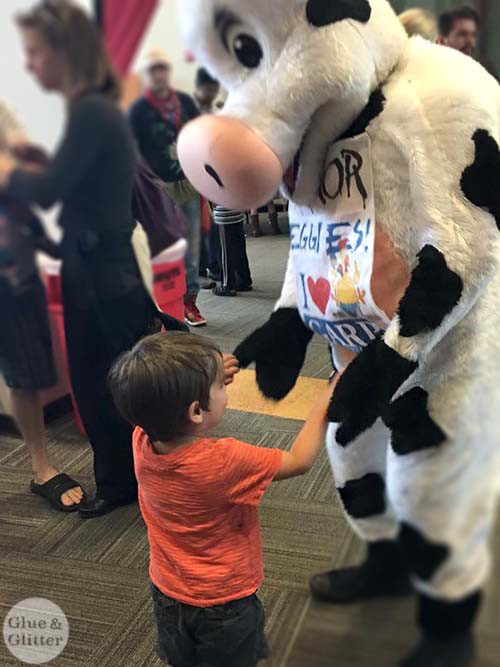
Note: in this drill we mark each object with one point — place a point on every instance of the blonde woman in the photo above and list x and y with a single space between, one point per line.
107 307
421 22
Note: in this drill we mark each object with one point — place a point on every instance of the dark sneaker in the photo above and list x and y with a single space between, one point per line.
224 291
382 574
457 652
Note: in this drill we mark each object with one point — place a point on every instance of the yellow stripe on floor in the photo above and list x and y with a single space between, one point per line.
244 395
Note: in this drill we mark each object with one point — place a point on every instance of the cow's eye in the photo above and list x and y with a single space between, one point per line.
243 46
247 50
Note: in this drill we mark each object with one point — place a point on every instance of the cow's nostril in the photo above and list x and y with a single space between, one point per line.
211 172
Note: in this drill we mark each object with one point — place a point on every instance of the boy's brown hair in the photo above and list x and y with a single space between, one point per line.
154 384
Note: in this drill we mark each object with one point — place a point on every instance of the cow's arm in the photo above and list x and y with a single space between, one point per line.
278 347
458 256
288 297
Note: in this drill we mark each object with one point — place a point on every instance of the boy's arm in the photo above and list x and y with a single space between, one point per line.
310 441
247 470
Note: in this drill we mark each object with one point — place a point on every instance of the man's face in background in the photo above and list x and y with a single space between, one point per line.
207 93
159 78
463 36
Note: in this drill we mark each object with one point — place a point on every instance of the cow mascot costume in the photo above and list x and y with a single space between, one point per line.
388 149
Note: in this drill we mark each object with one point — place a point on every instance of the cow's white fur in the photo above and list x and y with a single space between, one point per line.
313 83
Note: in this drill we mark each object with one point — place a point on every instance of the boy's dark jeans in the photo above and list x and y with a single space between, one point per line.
228 635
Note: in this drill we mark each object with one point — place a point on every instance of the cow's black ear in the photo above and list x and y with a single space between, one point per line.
321 13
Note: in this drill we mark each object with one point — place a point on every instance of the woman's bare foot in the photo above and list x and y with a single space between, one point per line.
72 497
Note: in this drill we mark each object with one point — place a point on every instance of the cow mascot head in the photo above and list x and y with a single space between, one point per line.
387 148
298 73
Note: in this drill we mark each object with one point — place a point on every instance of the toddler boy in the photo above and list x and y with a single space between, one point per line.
199 497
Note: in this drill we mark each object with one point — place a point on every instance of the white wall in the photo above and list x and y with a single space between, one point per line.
163 32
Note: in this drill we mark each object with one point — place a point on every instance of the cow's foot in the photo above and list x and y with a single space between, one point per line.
457 652
383 573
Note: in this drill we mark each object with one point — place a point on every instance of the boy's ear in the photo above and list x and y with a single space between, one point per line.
195 413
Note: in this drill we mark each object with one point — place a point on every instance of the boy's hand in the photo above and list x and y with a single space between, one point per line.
325 398
231 368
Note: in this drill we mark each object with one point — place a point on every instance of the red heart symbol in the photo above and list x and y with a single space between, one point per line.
320 292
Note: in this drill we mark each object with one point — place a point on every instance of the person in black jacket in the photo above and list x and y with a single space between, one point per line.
156 119
106 305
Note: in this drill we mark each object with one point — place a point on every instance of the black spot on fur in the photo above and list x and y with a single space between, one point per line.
364 497
365 389
424 557
444 619
480 181
279 349
412 427
373 109
432 294
321 13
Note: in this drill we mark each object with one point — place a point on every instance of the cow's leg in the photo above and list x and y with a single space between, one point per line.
444 490
360 476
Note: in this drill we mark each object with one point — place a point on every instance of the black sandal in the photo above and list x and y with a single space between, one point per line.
54 489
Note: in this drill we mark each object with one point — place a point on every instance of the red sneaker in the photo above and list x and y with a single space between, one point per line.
192 315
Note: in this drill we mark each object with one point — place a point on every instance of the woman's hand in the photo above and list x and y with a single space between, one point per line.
231 368
7 166
30 153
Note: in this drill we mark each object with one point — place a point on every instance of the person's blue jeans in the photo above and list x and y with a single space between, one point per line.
192 211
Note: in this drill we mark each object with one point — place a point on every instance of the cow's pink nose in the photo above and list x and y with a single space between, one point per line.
228 163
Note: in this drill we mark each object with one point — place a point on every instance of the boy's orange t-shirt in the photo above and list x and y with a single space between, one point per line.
200 506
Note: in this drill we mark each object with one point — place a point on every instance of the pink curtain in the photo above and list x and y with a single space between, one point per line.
125 22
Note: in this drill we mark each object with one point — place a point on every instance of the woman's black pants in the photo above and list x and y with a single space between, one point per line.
96 336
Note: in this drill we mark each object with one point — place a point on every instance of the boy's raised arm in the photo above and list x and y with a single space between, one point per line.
306 448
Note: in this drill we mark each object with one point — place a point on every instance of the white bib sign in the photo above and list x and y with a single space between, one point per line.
333 249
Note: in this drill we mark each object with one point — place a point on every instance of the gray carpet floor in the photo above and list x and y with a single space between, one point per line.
97 570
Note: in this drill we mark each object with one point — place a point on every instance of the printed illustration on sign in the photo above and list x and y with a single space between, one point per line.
320 292
345 288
